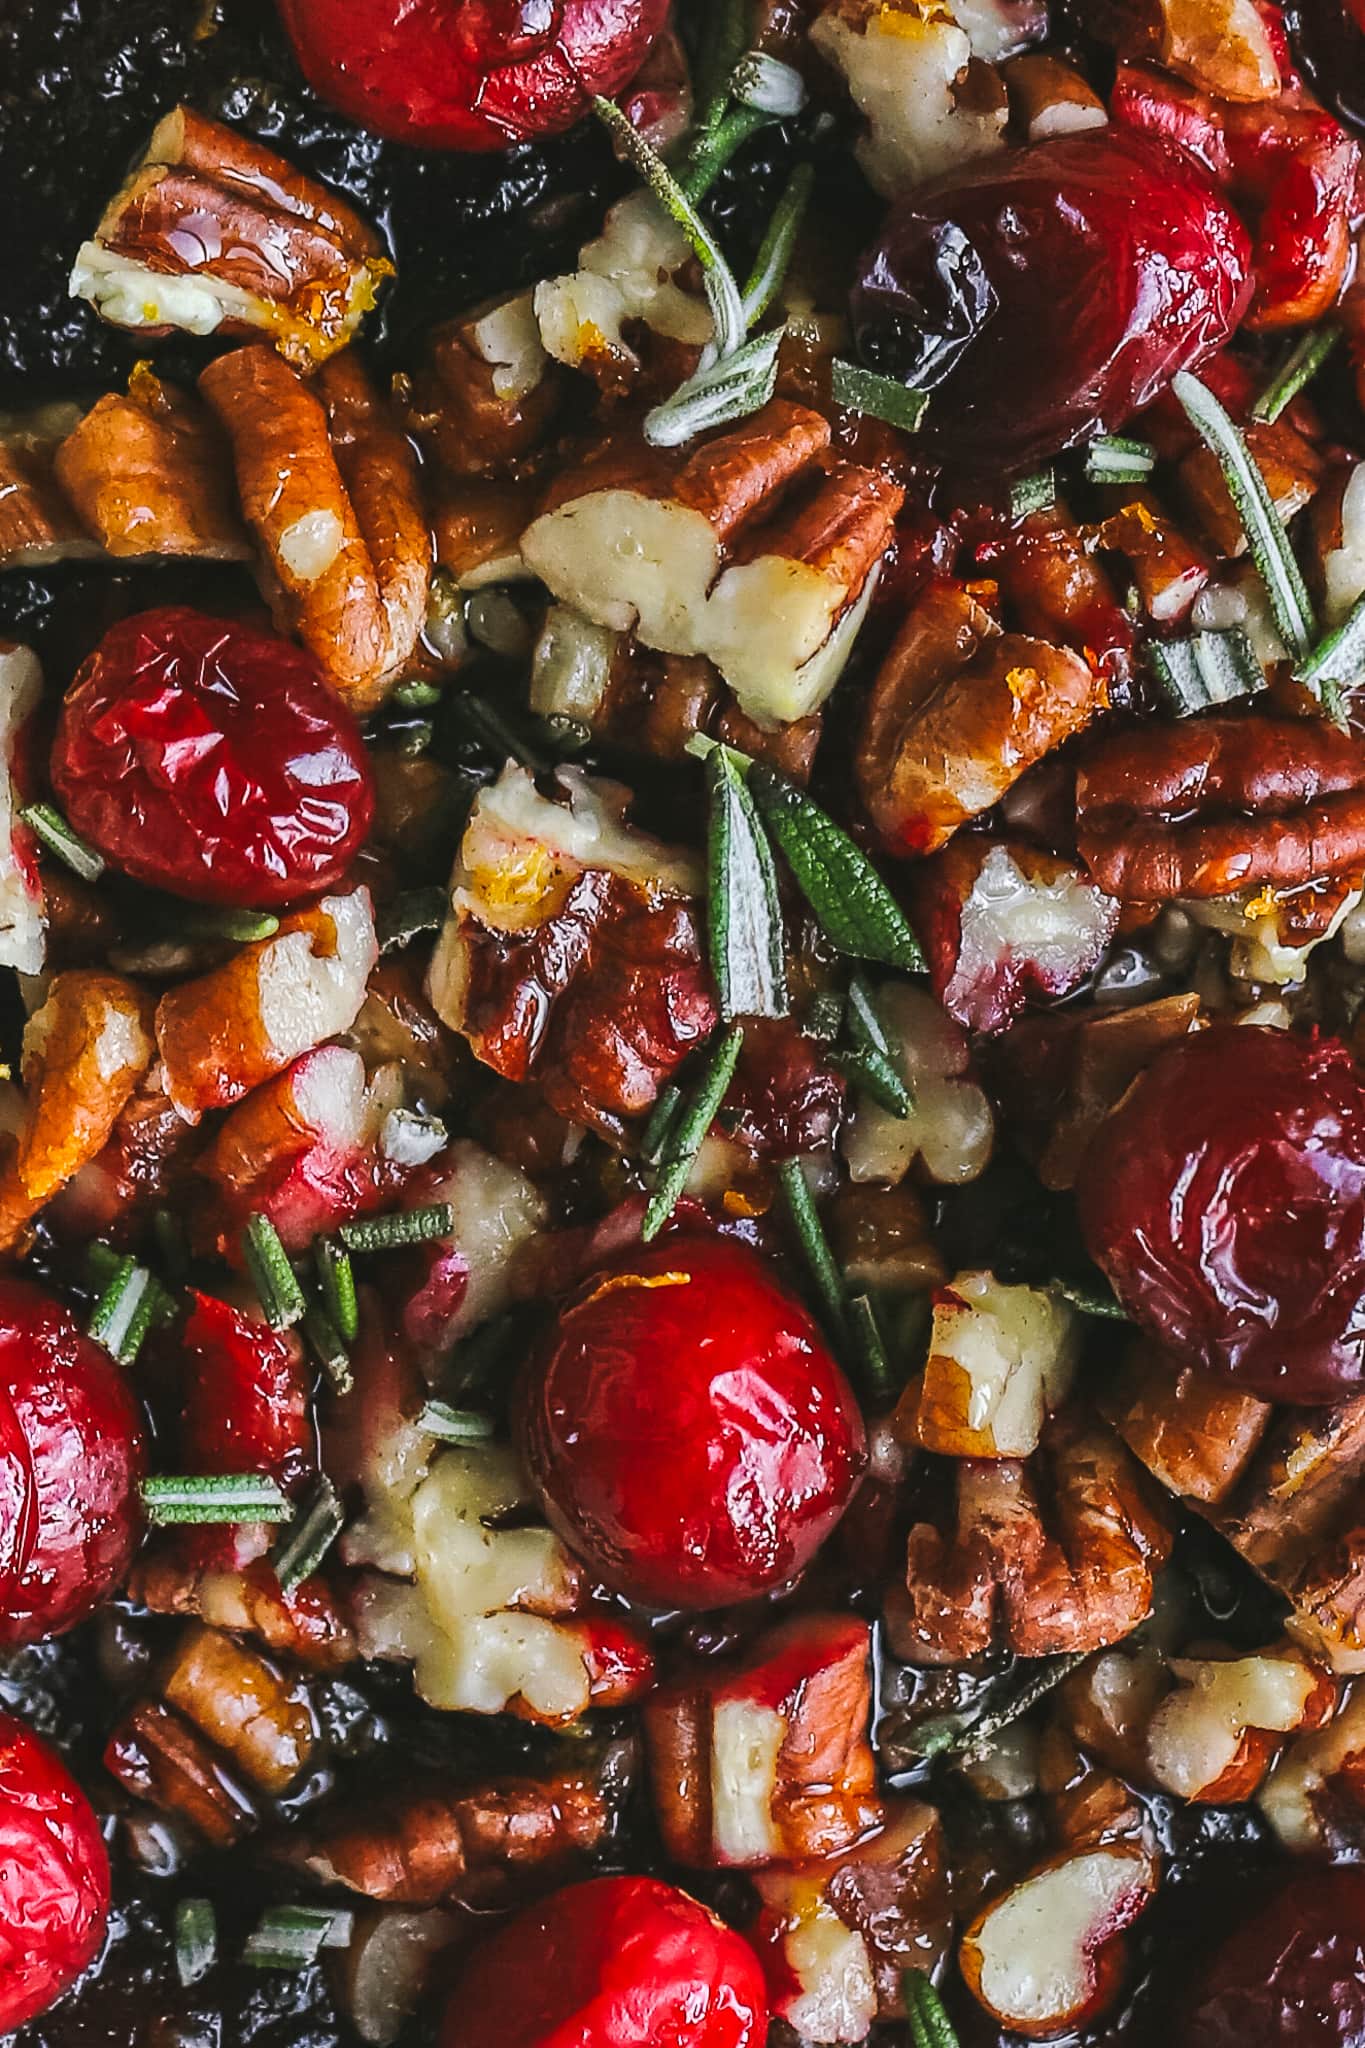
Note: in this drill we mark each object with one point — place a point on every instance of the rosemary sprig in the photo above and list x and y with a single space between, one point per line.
293 1937
1114 459
190 1498
657 1132
1036 493
409 915
774 256
730 389
768 85
196 1940
402 1226
1216 667
871 1063
50 828
327 1346
1300 366
692 1124
456 1425
868 1342
277 1289
125 1310
1339 656
852 903
881 398
810 1231
744 915
968 1734
306 1542
930 2026
336 1287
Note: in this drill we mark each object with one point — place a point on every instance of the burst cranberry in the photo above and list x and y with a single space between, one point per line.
1225 1200
245 1410
470 74
71 1455
689 1433
621 1962
1293 1975
54 1876
206 758
1082 272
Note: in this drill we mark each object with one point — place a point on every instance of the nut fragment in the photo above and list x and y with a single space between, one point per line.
486 395
1001 1359
1214 1737
1049 97
1290 464
1192 1432
84 1051
627 281
1314 1797
22 943
37 526
950 1127
145 474
242 1705
307 1624
159 1757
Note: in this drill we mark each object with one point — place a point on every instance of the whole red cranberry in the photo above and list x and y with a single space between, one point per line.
470 74
71 1455
620 1962
1048 293
1225 1201
1293 1975
689 1434
212 760
246 1410
54 1876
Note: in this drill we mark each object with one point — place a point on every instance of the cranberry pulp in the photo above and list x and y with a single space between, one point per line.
71 1456
54 1876
620 1962
1048 294
1293 1975
470 74
212 760
1225 1201
689 1433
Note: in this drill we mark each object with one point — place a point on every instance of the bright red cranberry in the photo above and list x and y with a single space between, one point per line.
1225 1200
470 74
689 1433
212 760
620 1962
245 1410
1083 271
1293 1975
54 1876
71 1455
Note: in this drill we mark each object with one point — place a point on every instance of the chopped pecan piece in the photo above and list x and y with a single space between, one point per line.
214 233
308 1624
84 1052
37 526
1292 469
1167 567
1001 1359
255 1717
1057 591
950 1128
768 1761
1049 97
477 524
625 313
1221 46
487 393
329 486
22 943
147 475
958 711
143 1165
1213 1738
159 1757
1314 1797
1193 1433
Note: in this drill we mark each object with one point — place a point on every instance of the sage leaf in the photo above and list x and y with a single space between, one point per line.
855 909
745 917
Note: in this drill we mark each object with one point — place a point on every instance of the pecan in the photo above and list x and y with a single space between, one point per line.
883 1239
37 526
251 1714
785 1098
1049 97
84 1052
214 233
1168 569
1221 46
158 1756
1057 591
1001 1359
956 714
626 314
1194 1434
141 1167
1314 1798
145 474
769 1760
307 1624
1208 806
487 393
329 486
396 1023
950 1128
1292 469
1053 1555
1213 1738
22 908
477 524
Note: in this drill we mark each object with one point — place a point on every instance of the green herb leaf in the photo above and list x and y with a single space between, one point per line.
1092 1299
691 1128
745 918
196 1940
1210 668
235 927
654 1141
810 1230
124 1312
1112 459
874 1076
775 251
327 1346
868 1340
730 389
1339 656
277 1289
824 1017
1300 366
456 1425
411 914
336 1285
494 734
881 398
309 1537
1037 493
874 1052
231 1497
930 2026
403 1226
293 1937
49 827
970 1732
854 907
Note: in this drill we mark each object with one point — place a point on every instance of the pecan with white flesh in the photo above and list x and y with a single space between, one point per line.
224 1033
1221 46
84 1052
1001 1360
627 280
950 1128
1204 807
1168 569
1314 1797
572 951
158 1756
477 523
142 1166
1214 1737
768 1761
37 526
22 943
746 549
487 392
1049 97
957 712
146 474
1292 469
1053 1555
307 1624
259 1720
329 487
458 1281
1192 1432
215 234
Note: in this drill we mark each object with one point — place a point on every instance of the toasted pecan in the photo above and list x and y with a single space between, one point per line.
147 475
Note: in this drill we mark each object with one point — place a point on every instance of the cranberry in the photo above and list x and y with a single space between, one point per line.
1225 1200
620 1962
212 760
1293 1975
54 1876
245 1410
689 1433
469 74
71 1455
1100 265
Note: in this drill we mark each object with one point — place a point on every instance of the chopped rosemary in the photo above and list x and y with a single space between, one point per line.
123 1314
293 1937
418 695
196 1940
692 1124
277 1289
881 398
189 1497
730 389
930 2026
1216 667
336 1287
774 256
402 1226
969 1731
323 1340
868 1342
1113 459
1036 493
824 1017
744 915
871 1063
663 1116
1299 367
409 915
237 927
50 827
769 85
316 1525
852 903
815 1245
1339 656
456 1425
1091 1299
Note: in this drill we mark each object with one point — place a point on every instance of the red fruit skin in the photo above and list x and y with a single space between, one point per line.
1225 1201
205 758
1115 262
619 1962
245 1410
690 1436
71 1456
1292 1975
470 74
54 1876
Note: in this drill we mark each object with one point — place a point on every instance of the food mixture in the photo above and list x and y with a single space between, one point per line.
682 1150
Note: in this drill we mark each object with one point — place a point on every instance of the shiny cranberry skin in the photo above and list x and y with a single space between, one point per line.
212 760
1293 1975
54 1876
1225 1201
620 1962
689 1434
245 1410
1109 261
71 1456
470 74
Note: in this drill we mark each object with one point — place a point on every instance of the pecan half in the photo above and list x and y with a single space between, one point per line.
308 1624
258 1719
146 474
214 233
159 1757
37 526
1193 1433
1001 1359
1208 806
329 486
486 394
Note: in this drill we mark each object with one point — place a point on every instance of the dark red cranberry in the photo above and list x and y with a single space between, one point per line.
54 1876
1293 1975
245 1410
690 1436
1225 1201
620 1962
209 759
470 74
1100 264
71 1456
